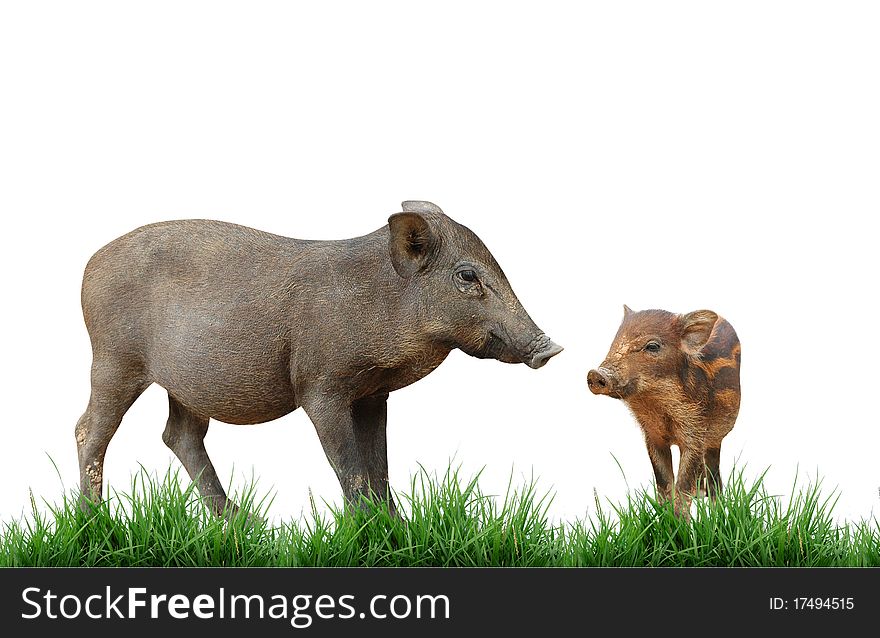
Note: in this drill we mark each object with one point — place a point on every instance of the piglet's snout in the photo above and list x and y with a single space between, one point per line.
599 381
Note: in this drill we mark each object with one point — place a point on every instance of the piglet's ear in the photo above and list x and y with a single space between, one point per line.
412 243
696 329
627 311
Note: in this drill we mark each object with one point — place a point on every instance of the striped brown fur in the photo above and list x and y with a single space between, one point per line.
679 375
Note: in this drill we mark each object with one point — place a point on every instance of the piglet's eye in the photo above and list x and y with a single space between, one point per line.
652 346
467 275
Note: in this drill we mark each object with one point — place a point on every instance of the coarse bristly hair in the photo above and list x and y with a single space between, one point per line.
685 391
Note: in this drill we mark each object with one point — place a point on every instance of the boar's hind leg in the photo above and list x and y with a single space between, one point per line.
661 460
114 388
185 435
712 460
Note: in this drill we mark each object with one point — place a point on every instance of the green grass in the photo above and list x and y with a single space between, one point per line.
448 522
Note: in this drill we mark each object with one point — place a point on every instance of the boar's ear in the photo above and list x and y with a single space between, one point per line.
696 328
415 206
412 243
626 311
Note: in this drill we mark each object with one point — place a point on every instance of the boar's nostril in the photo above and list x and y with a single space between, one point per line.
550 351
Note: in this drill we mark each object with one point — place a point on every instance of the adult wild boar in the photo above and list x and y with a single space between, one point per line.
244 327
679 375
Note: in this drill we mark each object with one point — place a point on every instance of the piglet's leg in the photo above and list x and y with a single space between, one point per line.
713 470
690 470
661 461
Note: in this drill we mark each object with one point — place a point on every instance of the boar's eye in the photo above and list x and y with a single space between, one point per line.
467 281
652 346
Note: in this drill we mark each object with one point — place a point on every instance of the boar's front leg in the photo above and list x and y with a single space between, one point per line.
661 460
353 437
371 418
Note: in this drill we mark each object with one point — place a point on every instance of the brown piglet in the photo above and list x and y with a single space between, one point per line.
679 375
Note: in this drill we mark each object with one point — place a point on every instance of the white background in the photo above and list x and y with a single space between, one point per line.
672 155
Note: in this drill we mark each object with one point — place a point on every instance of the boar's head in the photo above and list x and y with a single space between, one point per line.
458 292
650 351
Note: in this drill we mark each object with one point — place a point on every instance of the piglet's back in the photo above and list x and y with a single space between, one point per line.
720 358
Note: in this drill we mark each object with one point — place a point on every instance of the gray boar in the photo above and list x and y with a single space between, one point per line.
244 327
679 375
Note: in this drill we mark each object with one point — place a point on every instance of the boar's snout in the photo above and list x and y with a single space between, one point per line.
600 381
543 352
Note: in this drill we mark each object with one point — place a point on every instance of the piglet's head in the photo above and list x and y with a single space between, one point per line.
651 348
